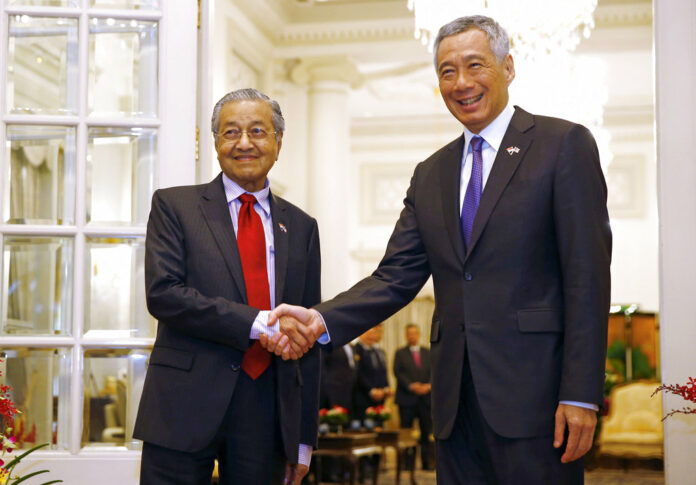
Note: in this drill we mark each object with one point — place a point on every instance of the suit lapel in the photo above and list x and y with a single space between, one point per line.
450 175
217 215
280 245
504 167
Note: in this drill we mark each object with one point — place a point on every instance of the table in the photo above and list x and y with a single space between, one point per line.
401 440
348 447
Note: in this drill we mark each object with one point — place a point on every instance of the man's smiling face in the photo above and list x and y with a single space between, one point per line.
247 161
473 83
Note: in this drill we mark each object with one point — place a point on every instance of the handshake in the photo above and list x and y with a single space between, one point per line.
299 328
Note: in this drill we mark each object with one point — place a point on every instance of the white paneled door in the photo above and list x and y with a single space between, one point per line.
98 110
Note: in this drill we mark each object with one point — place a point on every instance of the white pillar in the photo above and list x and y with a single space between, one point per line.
328 153
675 71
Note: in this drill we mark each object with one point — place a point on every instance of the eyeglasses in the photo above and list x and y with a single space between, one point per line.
235 134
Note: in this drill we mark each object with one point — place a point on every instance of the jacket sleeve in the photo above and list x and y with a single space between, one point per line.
584 242
401 274
310 363
170 299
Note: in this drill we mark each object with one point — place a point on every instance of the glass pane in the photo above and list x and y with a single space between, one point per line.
40 382
116 288
42 65
37 285
40 186
120 174
122 68
46 3
135 4
113 385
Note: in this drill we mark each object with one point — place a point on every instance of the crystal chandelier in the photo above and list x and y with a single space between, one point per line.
534 26
550 78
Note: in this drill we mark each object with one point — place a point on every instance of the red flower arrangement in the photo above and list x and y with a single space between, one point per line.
335 415
8 442
687 392
378 413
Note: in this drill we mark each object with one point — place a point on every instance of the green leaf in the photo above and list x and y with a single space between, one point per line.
52 481
14 462
26 477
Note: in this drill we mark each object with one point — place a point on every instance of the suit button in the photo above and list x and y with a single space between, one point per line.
468 277
235 367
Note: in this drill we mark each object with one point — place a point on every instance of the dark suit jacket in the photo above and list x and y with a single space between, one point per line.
195 288
337 379
372 373
407 373
528 302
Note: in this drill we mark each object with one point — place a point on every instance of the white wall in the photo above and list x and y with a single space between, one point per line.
675 69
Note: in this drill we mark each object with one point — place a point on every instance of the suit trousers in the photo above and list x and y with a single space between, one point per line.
248 444
475 454
420 410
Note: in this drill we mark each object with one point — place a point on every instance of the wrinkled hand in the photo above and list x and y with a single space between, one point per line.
581 424
299 329
291 336
294 474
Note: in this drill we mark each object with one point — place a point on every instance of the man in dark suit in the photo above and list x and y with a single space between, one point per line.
510 220
219 256
412 371
372 384
338 376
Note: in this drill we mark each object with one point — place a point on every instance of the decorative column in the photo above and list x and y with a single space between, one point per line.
329 81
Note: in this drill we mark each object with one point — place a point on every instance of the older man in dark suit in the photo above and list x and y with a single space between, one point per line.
218 257
510 220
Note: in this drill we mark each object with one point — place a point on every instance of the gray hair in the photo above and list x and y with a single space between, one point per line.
497 37
250 94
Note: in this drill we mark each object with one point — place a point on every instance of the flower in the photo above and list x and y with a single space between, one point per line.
335 415
379 413
687 392
8 441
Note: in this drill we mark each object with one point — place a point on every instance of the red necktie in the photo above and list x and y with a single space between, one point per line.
416 357
252 251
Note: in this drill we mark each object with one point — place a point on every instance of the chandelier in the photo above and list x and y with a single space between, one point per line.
550 78
534 26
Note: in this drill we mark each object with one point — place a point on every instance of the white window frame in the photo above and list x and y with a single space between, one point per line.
175 165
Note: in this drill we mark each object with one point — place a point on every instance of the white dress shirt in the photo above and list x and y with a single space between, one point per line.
263 209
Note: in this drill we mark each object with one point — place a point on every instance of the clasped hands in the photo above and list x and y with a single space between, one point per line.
299 328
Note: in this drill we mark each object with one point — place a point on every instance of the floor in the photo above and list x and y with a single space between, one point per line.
594 477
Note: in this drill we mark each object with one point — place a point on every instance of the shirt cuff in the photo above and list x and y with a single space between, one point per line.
324 338
260 326
585 405
304 455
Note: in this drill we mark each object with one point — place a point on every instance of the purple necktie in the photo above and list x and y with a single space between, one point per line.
472 197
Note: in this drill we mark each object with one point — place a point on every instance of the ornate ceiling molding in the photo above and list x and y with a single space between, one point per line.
309 70
632 14
365 31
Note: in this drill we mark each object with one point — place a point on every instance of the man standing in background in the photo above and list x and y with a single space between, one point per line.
372 385
412 371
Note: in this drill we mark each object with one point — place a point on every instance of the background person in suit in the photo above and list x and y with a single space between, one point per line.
510 220
412 371
218 257
338 376
372 384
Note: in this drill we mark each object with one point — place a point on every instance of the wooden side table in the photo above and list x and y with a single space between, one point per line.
401 440
348 447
